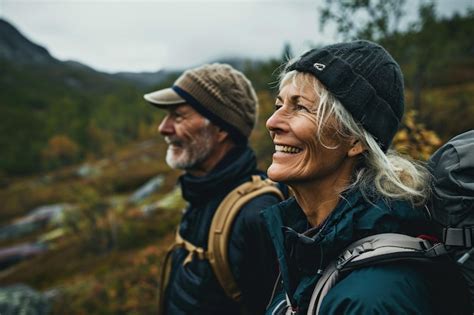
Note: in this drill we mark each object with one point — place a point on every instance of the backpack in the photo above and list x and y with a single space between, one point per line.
219 233
451 209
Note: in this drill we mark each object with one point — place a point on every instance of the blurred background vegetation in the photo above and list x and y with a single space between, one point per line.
88 203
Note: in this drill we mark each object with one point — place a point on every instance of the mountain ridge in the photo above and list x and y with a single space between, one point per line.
14 46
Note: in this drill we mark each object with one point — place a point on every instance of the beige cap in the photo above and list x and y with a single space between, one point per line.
165 97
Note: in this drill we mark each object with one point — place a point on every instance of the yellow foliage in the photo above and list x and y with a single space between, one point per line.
415 139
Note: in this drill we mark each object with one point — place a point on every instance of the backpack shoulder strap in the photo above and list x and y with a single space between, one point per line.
193 251
221 226
372 250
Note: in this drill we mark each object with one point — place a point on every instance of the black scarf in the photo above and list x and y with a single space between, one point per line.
234 168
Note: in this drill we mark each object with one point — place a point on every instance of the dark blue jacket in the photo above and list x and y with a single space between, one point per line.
193 288
396 288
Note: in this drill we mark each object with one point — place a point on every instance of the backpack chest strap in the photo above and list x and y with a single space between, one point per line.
193 250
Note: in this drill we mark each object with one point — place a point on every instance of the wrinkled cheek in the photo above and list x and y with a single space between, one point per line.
308 163
189 136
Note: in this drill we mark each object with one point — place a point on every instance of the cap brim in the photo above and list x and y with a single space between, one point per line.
163 98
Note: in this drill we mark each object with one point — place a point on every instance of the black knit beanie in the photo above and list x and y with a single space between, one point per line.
365 79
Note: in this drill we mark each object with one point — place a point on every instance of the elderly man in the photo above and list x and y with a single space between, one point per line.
211 113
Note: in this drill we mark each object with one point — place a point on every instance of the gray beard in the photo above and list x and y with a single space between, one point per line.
193 153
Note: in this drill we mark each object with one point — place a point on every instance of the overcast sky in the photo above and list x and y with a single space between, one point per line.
149 35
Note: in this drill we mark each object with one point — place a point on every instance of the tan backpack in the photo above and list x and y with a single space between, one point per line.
219 232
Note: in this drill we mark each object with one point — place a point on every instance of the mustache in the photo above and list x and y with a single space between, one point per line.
173 140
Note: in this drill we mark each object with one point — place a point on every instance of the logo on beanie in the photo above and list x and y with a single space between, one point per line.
319 66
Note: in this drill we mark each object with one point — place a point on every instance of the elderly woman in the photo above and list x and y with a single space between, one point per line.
336 113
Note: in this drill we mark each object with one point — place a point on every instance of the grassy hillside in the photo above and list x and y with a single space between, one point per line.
103 254
38 102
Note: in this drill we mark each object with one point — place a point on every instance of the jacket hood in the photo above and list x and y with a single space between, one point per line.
304 252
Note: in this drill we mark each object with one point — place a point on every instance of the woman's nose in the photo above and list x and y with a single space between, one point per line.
275 122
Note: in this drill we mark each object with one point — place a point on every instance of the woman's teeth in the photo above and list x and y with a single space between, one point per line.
286 149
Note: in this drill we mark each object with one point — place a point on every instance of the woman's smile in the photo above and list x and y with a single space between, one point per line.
284 148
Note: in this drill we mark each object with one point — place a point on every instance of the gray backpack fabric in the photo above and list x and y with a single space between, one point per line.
452 207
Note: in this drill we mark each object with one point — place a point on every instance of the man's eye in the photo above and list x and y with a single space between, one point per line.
177 117
278 106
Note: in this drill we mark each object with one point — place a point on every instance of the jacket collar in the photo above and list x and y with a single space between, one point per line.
302 252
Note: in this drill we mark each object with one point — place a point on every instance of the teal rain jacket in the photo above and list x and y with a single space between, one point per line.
396 288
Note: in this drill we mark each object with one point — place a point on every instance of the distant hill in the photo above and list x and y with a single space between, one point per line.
42 98
147 79
17 48
150 79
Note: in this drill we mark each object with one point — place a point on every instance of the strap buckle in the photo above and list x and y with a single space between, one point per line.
459 236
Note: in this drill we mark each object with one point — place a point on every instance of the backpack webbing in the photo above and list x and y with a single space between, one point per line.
219 232
221 226
372 250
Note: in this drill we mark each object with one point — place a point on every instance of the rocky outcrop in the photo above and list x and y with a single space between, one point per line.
21 299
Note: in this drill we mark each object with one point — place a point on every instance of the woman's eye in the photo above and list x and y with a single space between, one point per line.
302 108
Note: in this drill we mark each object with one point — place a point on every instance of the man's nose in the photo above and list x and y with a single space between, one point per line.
166 127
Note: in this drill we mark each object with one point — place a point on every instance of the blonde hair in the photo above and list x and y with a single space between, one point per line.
389 175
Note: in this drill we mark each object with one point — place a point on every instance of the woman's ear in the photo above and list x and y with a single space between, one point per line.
356 148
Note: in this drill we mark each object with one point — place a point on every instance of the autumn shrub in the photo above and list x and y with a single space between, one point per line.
60 150
414 139
129 286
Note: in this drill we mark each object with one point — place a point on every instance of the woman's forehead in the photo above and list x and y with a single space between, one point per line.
301 81
297 91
